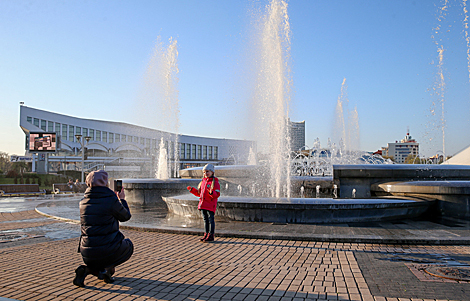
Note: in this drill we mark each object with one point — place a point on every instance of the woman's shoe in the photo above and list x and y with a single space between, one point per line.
209 238
204 237
80 274
106 276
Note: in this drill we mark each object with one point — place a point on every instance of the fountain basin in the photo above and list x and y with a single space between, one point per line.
304 210
453 196
149 192
362 177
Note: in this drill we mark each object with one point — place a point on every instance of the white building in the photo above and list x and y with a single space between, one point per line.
118 146
400 150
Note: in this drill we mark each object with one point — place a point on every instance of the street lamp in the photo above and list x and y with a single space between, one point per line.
80 140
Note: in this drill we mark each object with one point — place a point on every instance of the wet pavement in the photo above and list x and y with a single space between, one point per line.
38 255
418 231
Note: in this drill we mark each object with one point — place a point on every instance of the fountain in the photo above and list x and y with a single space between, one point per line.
162 169
337 184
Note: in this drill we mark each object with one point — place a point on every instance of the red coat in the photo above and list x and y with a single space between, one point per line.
207 198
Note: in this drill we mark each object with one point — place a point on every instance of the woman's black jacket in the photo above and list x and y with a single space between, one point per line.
100 214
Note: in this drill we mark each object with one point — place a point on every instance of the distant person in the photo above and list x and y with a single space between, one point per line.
102 245
208 191
76 186
70 184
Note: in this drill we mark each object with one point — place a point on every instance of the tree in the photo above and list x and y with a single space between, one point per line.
389 157
20 167
410 159
5 164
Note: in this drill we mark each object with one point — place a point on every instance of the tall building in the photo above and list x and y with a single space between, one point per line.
401 150
297 135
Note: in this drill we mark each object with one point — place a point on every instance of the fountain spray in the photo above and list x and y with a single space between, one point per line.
272 95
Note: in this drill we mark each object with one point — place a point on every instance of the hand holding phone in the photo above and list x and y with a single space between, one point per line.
118 185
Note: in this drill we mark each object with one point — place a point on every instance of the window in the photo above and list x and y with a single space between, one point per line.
29 119
50 126
36 122
216 152
199 152
136 139
193 153
188 151
92 134
64 131
117 138
71 132
142 141
78 130
98 135
105 137
210 152
171 149
147 142
182 153
204 154
111 137
85 132
43 125
57 128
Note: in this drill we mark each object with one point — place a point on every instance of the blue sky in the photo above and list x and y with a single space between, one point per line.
88 59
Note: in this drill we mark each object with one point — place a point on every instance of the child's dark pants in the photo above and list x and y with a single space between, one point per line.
209 223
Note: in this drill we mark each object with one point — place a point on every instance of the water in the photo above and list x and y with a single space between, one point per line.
319 161
162 172
346 130
272 93
252 157
160 103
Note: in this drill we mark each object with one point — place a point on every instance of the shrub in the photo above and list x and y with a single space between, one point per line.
39 181
12 174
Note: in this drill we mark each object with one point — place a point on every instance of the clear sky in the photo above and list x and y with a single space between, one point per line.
88 59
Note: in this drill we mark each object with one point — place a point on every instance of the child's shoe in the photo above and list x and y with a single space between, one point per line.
204 237
209 238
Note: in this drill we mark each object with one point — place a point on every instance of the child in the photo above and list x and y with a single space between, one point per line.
208 191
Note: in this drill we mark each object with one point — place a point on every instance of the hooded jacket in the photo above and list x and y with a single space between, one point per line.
207 197
100 214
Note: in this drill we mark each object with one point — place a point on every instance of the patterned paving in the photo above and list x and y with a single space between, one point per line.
179 267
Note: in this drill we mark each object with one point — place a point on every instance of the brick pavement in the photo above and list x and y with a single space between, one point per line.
179 267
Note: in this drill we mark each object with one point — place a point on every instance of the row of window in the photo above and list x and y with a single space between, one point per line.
68 132
198 152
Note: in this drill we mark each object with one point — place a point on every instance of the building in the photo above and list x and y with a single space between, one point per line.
125 149
461 158
399 151
297 135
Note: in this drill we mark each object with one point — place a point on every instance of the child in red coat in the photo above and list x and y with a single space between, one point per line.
208 191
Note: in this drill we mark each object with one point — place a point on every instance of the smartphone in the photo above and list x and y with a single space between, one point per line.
117 185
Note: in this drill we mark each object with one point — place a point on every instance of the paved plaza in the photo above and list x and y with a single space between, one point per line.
38 256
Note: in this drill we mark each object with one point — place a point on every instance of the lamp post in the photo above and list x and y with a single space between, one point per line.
80 140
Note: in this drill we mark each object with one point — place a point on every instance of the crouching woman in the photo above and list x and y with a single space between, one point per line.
102 245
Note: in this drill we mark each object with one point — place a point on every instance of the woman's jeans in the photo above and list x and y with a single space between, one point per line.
209 223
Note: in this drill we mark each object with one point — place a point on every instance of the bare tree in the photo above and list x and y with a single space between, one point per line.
5 164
